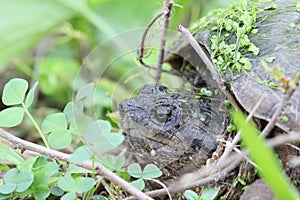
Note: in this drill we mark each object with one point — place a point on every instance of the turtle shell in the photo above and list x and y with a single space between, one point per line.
277 42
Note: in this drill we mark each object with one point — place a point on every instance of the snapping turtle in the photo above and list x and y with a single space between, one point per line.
174 128
163 125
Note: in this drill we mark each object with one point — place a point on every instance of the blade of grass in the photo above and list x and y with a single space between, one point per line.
269 166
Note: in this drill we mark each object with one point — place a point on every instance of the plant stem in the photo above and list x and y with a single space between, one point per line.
104 172
36 126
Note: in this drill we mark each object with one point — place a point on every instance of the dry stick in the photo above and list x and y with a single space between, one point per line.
275 116
211 174
237 138
167 16
219 170
141 50
19 143
283 139
208 64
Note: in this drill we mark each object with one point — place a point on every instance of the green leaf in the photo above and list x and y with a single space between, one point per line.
113 163
73 169
54 122
67 183
7 154
56 191
23 181
22 31
269 167
30 95
14 91
108 142
84 185
4 167
39 162
60 139
27 164
210 193
85 91
135 170
50 169
10 176
151 171
7 188
99 136
119 163
10 117
254 49
4 196
79 126
285 119
100 125
73 111
69 196
191 195
139 184
41 192
270 59
80 154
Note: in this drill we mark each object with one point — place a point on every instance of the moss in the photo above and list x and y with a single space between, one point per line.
228 37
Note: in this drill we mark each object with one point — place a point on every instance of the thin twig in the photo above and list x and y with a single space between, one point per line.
141 50
208 64
163 185
219 170
23 144
167 16
237 138
275 116
283 139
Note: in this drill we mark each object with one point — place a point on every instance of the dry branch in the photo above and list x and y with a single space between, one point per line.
16 142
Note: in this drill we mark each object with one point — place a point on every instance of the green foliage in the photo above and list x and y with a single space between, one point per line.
99 135
38 177
236 21
75 28
114 163
269 166
7 154
80 155
71 185
207 194
10 117
22 31
32 176
53 79
15 180
14 94
149 171
14 91
56 126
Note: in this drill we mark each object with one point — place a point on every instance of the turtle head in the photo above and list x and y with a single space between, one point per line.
166 123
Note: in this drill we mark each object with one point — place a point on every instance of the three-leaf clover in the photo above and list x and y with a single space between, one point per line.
71 186
150 171
57 127
15 180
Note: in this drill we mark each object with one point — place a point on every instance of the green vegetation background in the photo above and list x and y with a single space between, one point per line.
48 40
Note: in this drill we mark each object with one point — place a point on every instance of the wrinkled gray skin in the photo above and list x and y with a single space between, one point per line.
167 127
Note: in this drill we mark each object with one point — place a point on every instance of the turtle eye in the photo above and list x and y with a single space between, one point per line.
163 114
